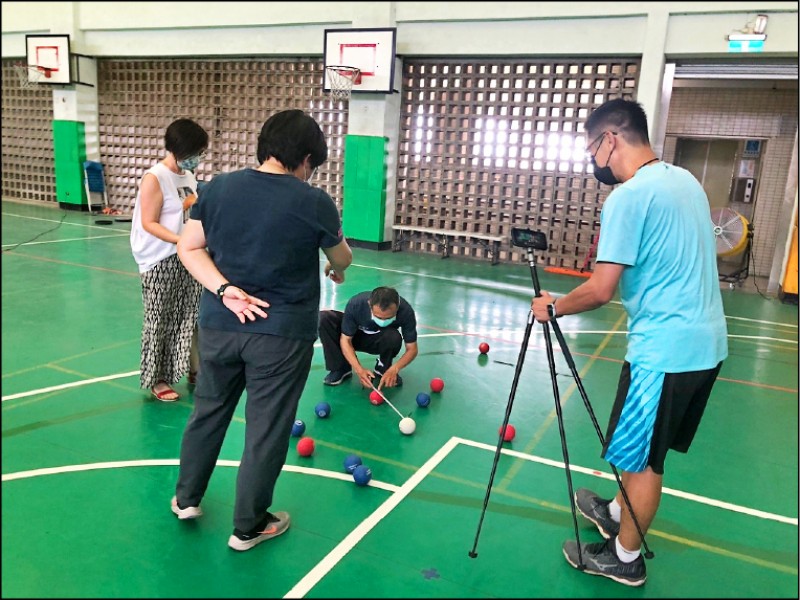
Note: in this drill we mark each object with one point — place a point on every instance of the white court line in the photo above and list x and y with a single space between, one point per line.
73 384
500 286
174 462
322 568
96 237
398 494
677 493
103 227
402 491
63 386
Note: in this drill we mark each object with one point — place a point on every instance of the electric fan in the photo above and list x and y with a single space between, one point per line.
731 231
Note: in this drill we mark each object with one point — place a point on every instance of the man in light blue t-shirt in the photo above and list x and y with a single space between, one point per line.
657 246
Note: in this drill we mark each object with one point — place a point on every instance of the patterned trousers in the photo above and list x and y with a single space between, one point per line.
171 298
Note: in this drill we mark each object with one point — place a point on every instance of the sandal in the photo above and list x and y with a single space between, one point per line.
164 395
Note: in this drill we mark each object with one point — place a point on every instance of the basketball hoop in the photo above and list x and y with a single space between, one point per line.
341 79
30 75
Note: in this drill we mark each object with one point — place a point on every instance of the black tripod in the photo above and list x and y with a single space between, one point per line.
536 240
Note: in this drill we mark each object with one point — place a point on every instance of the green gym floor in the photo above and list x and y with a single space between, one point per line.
90 460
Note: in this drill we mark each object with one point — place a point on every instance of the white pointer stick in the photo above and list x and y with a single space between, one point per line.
386 399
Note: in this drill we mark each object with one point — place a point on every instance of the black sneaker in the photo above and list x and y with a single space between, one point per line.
601 559
337 377
594 508
273 526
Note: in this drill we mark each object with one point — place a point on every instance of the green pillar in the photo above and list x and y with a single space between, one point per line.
69 145
364 204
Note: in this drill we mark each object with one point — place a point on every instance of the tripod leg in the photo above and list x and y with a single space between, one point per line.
571 363
517 371
552 364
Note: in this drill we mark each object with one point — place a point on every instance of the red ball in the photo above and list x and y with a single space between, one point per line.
484 348
305 446
437 384
509 433
375 398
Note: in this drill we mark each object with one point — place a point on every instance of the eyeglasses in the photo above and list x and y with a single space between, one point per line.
589 154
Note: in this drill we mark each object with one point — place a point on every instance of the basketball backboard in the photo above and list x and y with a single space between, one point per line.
49 55
370 50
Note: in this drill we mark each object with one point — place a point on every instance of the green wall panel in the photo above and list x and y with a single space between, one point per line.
364 203
69 148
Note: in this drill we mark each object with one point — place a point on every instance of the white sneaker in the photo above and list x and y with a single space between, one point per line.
190 512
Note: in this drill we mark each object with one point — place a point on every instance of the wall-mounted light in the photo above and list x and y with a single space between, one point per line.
760 25
752 32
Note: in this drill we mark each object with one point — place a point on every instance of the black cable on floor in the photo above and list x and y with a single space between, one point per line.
36 237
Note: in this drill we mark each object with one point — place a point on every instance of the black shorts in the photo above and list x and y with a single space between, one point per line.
654 413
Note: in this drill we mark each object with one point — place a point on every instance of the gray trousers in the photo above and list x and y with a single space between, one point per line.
273 370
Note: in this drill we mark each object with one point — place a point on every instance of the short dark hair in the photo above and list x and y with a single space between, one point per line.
384 297
289 136
185 138
624 116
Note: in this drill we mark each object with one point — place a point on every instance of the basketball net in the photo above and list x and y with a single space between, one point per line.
29 76
341 80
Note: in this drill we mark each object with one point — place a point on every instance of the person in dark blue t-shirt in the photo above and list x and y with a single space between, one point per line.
376 322
253 241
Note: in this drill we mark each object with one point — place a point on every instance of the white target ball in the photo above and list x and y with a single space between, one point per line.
407 426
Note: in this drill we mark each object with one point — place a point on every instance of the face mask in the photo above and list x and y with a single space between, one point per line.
383 322
604 174
189 164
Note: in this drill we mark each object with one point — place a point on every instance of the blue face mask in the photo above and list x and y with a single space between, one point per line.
190 164
383 322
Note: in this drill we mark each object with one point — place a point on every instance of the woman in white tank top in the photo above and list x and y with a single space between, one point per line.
170 295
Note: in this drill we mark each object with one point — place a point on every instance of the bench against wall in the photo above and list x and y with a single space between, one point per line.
443 237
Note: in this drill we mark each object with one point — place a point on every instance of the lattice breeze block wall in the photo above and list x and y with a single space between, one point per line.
231 99
28 157
491 144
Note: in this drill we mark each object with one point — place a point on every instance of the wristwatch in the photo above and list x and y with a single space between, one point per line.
551 310
222 288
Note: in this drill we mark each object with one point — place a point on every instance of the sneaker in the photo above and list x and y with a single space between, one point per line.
190 512
594 508
378 375
379 369
273 526
601 559
337 377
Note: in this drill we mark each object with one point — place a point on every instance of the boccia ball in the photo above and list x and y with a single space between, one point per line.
375 398
423 399
484 348
407 426
305 446
351 461
437 384
362 474
298 429
323 409
509 433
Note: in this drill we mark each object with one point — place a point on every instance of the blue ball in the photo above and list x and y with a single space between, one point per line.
298 428
423 399
362 474
323 409
351 462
